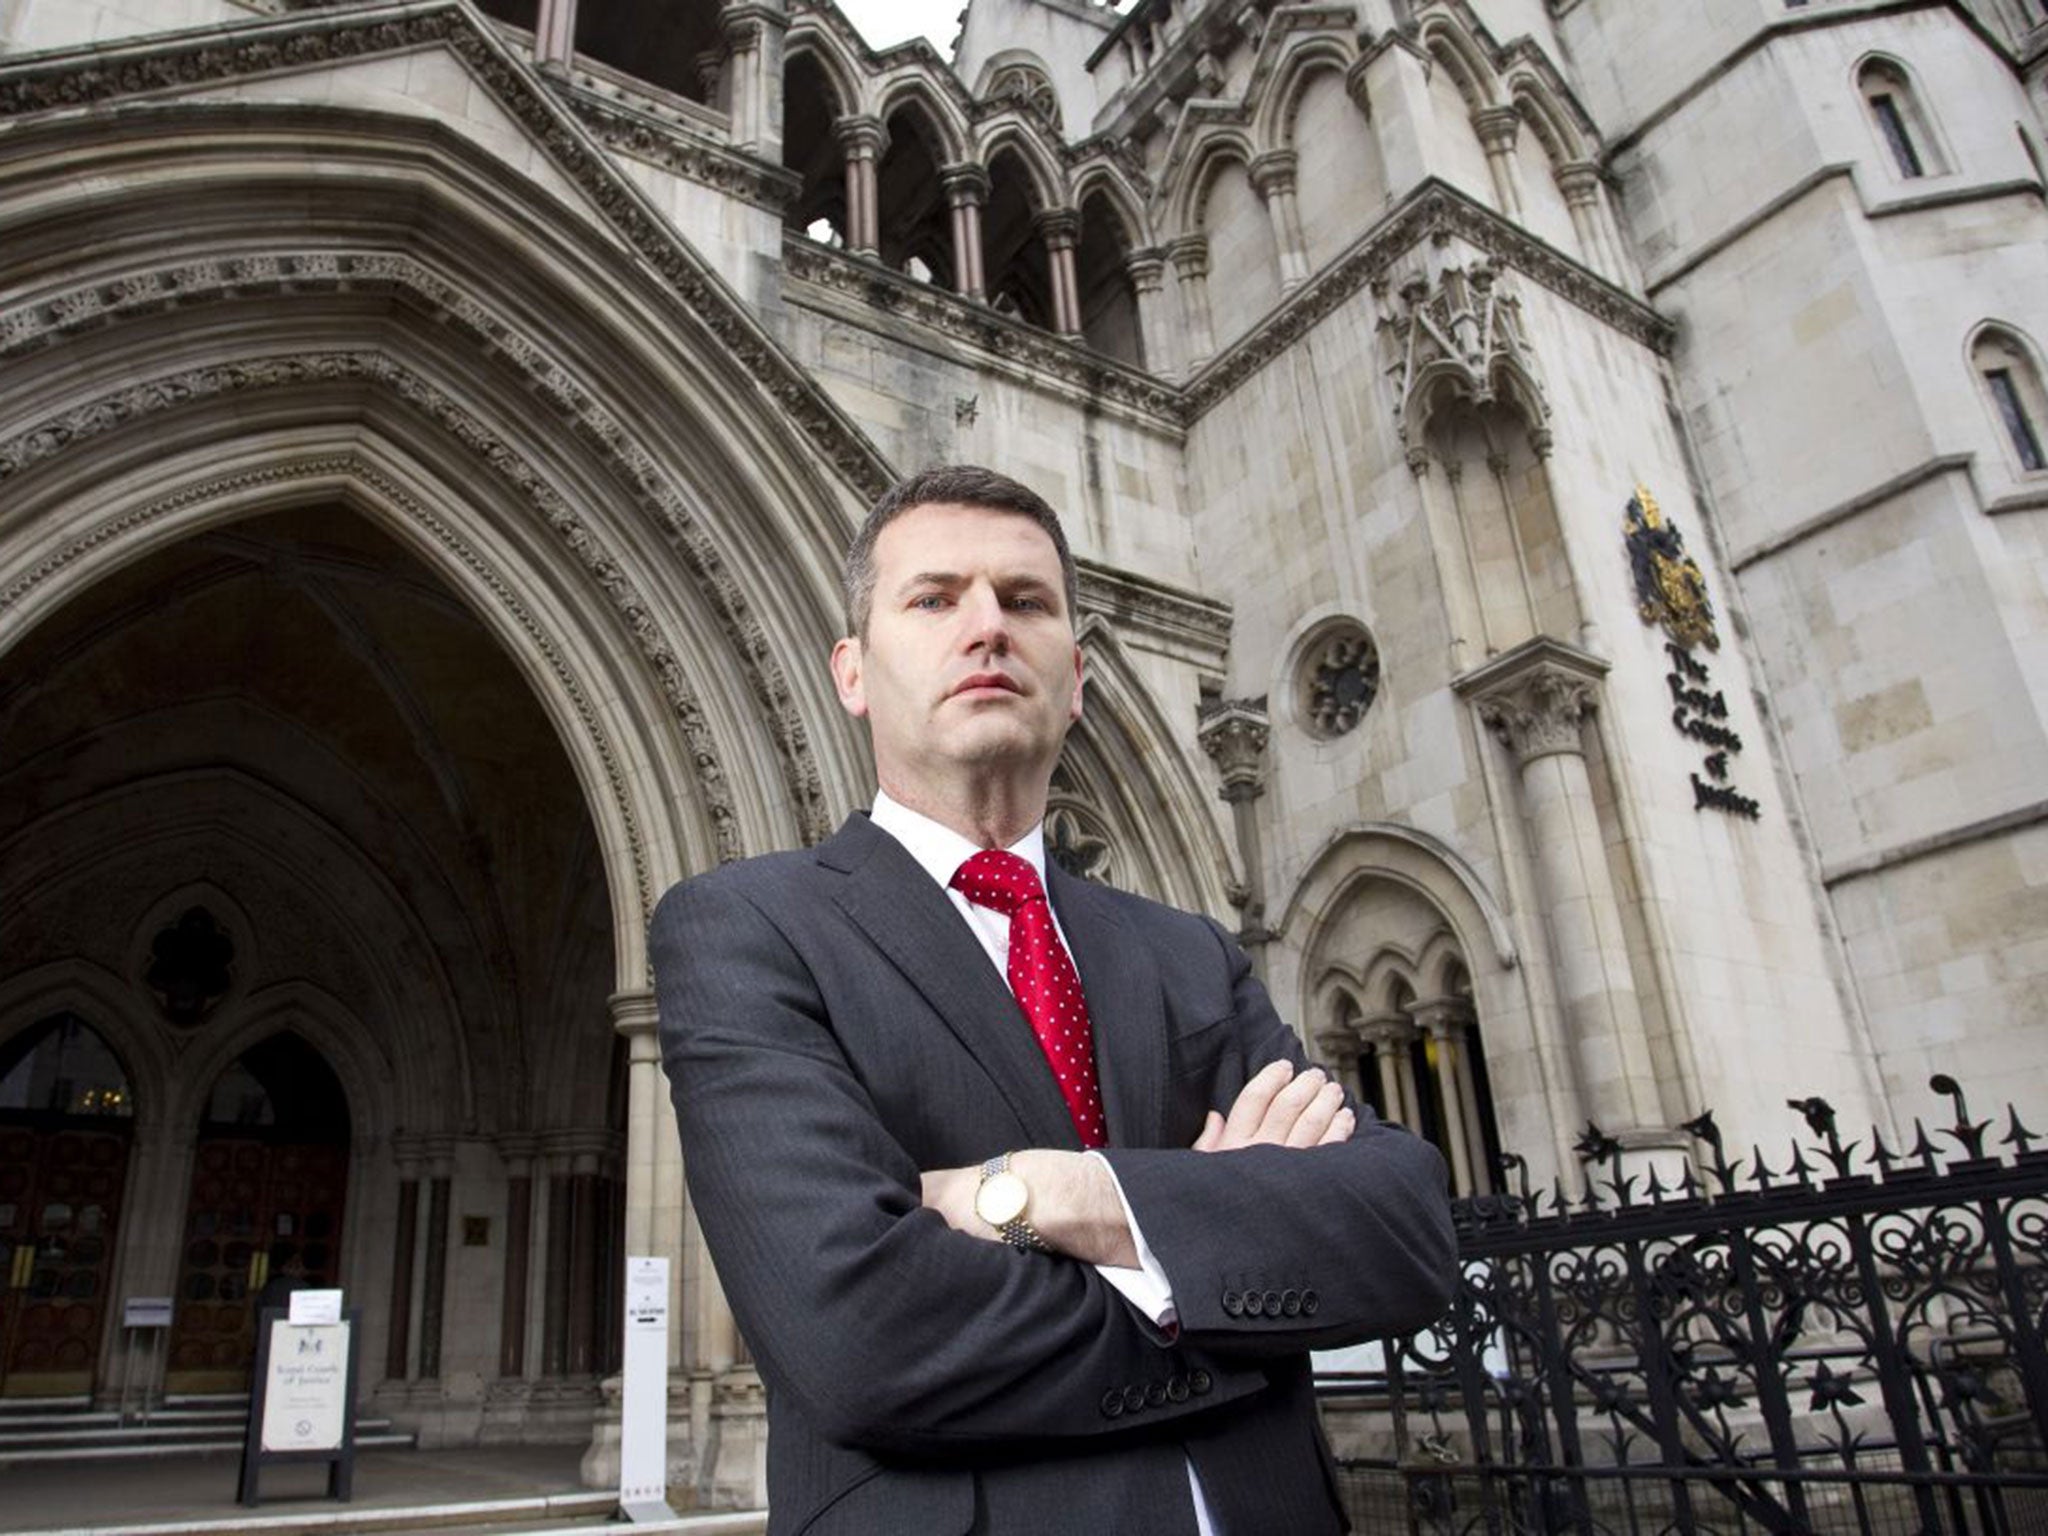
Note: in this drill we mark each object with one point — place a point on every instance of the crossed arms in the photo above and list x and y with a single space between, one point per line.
895 1327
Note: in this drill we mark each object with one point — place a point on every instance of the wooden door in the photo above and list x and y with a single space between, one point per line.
60 1201
256 1205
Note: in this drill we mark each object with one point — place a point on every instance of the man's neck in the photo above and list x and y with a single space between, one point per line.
987 815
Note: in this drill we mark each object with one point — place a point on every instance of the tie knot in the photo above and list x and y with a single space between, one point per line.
998 879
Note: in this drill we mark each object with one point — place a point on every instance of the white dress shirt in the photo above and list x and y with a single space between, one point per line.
940 851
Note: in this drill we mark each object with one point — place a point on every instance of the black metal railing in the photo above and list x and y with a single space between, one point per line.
1850 1342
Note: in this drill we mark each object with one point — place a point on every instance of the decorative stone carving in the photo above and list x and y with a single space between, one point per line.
1078 844
1535 696
1465 332
1340 678
1234 733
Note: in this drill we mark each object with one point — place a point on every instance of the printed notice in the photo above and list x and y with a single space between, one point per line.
305 1399
309 1307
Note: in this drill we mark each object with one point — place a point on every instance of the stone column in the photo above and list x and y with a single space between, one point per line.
434 1282
863 139
1060 228
554 1339
966 186
1147 271
398 1342
1233 732
752 104
1390 1036
1533 698
1190 257
633 1016
1580 184
584 1246
517 1152
1272 177
1434 1018
554 34
1498 128
1463 1026
1341 1050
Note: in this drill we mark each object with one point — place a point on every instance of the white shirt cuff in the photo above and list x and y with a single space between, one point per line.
1145 1287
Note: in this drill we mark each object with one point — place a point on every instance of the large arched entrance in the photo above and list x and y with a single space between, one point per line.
281 791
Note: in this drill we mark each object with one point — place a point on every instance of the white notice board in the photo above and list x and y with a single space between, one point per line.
643 1408
305 1398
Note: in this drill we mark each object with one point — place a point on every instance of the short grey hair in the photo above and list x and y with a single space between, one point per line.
967 485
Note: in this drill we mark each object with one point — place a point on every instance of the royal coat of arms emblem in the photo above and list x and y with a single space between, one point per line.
1670 590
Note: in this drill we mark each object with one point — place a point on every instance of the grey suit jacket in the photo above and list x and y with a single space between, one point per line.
831 1029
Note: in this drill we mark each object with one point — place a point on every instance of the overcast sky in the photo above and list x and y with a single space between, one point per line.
883 22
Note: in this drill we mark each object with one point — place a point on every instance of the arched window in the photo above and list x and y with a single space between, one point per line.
1900 120
62 1067
2012 388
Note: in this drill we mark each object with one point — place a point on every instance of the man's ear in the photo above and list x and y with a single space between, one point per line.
1080 682
846 677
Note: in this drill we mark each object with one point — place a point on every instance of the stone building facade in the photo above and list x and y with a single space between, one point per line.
1560 492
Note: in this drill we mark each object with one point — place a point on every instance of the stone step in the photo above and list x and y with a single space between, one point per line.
132 1447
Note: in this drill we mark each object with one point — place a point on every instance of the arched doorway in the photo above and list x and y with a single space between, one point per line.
269 1190
65 1114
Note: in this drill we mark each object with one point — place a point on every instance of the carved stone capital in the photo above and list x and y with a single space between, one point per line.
1147 269
1387 1031
1497 127
1578 180
1060 228
1189 255
1272 172
861 136
965 183
517 1151
1233 732
1442 1018
633 1013
1535 696
1355 85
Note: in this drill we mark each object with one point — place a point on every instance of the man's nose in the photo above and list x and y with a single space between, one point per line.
988 621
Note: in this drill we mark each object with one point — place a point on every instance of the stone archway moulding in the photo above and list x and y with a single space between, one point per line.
194 284
1409 857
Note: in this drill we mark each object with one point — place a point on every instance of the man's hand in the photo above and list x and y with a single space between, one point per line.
1278 1109
1074 1205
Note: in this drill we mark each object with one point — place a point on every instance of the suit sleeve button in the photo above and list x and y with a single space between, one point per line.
1199 1383
1134 1399
1254 1303
1155 1394
1233 1304
1290 1303
1112 1404
1272 1303
1177 1388
1309 1302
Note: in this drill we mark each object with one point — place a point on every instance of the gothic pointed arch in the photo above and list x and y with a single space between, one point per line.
913 89
1011 132
1205 152
1305 56
403 408
1124 756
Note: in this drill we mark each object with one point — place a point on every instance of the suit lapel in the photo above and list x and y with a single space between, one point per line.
1126 1008
913 922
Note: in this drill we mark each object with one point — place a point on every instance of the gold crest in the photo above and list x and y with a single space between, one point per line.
1670 590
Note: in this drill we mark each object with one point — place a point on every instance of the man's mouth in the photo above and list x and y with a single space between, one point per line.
976 681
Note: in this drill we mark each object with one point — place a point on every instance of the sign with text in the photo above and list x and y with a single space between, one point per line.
146 1312
643 1405
309 1308
305 1391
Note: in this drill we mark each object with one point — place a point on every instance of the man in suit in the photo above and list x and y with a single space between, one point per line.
1029 1212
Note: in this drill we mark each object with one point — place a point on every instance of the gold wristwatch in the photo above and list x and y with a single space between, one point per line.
1001 1200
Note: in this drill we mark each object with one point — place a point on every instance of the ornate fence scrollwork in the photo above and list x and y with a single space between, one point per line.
1850 1341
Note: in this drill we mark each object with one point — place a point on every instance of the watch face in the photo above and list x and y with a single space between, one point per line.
1000 1199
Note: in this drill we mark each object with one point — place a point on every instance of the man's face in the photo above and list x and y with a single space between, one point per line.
969 666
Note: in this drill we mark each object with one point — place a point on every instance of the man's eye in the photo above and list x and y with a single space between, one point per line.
1034 604
929 602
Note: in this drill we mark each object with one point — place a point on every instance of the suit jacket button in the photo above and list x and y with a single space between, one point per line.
1134 1399
1290 1303
1177 1387
1155 1394
1233 1304
1112 1404
1272 1303
1199 1383
1254 1303
1309 1302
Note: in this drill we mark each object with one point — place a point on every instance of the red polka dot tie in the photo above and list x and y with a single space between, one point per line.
1042 975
